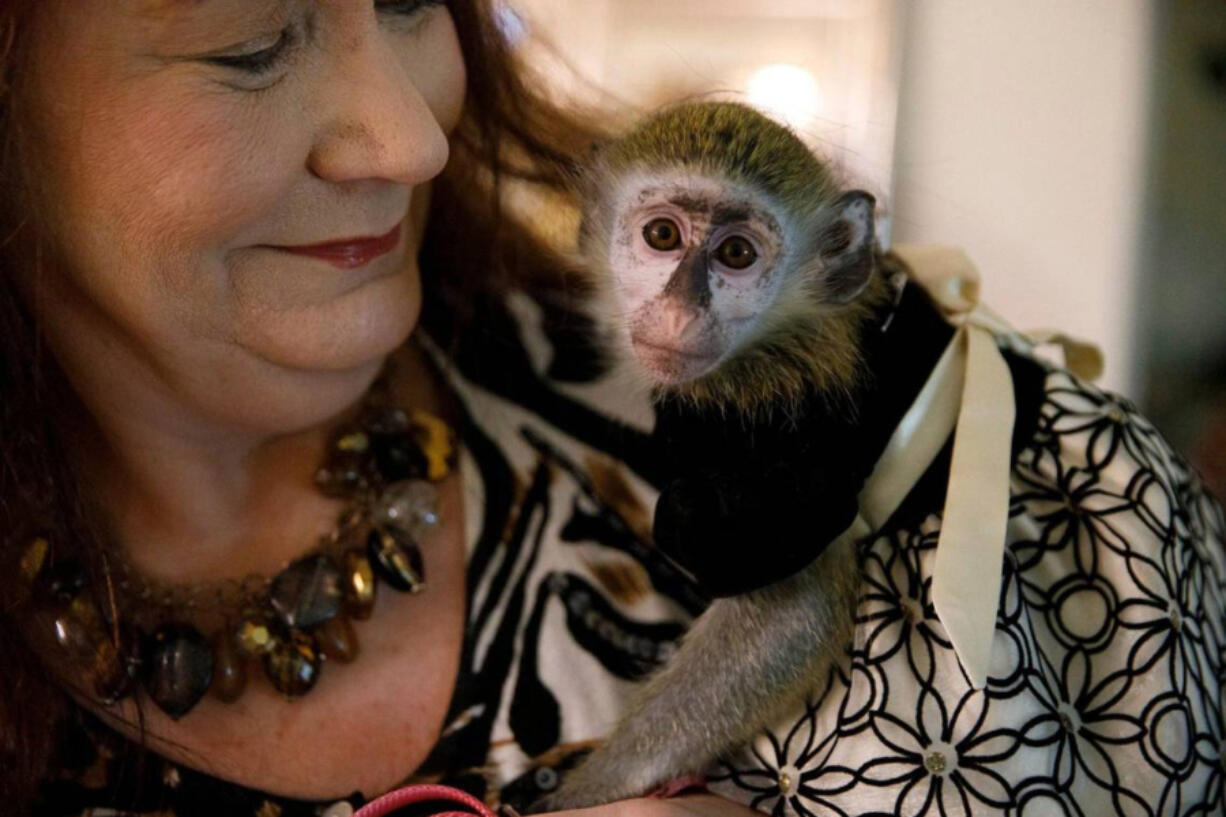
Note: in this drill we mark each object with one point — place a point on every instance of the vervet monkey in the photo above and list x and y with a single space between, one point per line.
746 279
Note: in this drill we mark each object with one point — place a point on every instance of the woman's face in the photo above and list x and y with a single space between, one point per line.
186 152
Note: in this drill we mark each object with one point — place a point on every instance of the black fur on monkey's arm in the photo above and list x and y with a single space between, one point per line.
755 498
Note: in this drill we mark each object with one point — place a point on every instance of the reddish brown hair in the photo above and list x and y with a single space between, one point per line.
509 131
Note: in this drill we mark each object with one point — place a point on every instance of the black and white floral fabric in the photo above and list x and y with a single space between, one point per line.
1105 695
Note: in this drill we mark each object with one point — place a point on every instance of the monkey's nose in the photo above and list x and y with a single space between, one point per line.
679 319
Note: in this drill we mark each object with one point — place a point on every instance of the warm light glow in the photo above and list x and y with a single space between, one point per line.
786 92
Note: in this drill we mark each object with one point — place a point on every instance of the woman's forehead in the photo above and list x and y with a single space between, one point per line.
170 10
164 6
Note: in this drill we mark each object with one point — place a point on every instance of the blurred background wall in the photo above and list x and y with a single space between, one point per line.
1075 148
1021 138
1181 319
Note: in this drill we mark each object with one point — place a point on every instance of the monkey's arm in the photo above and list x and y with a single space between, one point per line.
746 660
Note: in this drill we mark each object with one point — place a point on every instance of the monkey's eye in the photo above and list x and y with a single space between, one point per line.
736 253
662 234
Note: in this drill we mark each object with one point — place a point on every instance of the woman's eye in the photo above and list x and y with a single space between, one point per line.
407 7
662 234
256 62
736 253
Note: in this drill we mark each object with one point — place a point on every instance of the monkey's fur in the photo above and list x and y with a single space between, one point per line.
781 339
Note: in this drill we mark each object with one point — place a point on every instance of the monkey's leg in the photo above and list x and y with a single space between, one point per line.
743 663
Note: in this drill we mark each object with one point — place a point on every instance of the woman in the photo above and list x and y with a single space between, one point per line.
215 212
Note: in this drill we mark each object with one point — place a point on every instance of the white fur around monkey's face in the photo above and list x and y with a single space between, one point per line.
695 262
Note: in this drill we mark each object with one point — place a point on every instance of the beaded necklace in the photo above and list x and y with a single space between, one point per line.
182 641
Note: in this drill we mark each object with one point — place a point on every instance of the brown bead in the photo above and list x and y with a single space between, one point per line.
180 668
337 640
307 593
359 584
229 668
398 560
293 665
79 631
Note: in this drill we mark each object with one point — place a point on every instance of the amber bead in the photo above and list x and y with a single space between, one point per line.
359 584
229 668
353 442
180 668
398 560
254 636
308 592
293 665
79 631
337 640
437 442
33 559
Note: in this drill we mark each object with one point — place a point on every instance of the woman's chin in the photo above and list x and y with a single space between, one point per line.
351 332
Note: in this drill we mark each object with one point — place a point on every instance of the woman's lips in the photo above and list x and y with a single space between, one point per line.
350 253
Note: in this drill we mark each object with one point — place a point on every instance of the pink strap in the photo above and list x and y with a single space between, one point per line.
423 793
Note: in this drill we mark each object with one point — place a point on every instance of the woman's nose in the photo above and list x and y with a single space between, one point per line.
378 125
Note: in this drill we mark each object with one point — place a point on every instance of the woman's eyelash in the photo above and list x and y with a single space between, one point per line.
264 60
257 62
407 7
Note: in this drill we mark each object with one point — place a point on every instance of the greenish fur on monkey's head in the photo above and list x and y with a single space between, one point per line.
728 139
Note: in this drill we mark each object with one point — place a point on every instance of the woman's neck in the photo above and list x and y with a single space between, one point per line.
192 501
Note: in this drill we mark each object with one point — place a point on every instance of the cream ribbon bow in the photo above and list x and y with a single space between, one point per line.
969 392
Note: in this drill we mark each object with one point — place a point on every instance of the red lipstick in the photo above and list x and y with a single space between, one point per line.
350 253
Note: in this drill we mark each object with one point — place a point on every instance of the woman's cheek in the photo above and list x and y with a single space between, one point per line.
164 176
436 65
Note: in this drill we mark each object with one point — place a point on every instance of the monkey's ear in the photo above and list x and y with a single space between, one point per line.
846 246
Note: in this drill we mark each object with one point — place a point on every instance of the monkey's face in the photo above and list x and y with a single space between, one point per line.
695 262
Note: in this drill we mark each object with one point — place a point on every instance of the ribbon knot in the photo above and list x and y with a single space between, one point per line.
969 393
